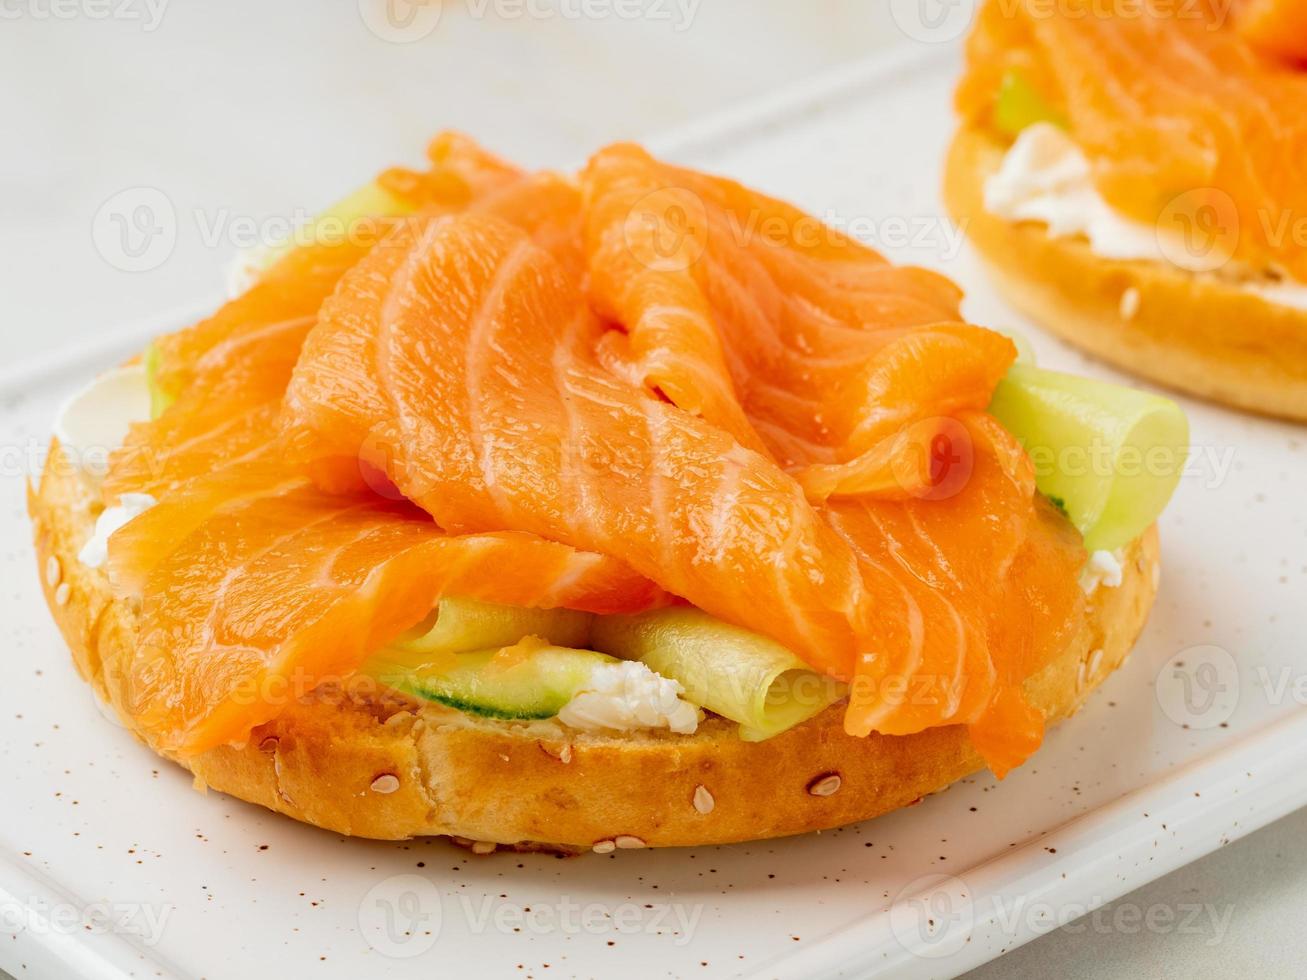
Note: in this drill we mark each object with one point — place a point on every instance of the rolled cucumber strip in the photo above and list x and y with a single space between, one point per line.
159 400
731 671
461 625
1019 105
335 225
1111 456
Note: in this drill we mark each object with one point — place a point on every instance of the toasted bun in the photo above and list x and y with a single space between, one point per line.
390 773
1198 333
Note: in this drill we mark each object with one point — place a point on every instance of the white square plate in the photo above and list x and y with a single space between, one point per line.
112 866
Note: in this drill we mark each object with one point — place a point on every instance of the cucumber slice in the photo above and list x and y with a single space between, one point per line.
738 674
1019 105
335 225
533 687
1110 456
159 399
461 625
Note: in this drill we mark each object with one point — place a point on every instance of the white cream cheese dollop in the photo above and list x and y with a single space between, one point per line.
89 426
627 696
1102 569
94 422
95 552
1046 178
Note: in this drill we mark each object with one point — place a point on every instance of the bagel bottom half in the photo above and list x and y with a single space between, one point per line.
1198 333
392 772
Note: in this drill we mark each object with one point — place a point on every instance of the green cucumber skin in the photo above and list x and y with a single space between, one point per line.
531 691
482 710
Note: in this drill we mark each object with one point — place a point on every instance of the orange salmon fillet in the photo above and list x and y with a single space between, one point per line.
226 374
273 595
464 363
645 383
799 341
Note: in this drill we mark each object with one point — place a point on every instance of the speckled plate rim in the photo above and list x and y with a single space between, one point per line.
45 951
1095 859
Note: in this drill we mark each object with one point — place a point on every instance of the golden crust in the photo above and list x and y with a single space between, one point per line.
1197 333
326 762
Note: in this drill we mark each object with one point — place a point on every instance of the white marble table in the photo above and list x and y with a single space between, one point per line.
240 114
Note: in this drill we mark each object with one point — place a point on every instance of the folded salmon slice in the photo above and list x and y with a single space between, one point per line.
295 286
456 359
226 375
1186 121
274 595
227 416
863 382
464 362
795 338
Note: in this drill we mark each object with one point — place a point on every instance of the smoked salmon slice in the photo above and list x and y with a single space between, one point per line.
228 415
295 286
471 369
276 595
213 460
856 374
801 342
604 393
475 368
1188 125
224 377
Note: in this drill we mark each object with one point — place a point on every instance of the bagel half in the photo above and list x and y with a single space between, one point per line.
382 771
1197 333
